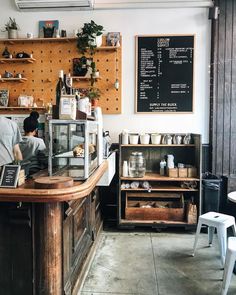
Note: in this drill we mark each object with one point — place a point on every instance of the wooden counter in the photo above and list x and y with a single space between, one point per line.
27 192
47 235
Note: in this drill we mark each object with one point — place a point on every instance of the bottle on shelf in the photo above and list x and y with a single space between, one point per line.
68 84
60 90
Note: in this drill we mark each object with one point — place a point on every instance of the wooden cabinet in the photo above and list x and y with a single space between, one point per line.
47 244
167 201
76 240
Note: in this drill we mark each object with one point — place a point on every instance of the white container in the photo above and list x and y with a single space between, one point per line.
133 138
125 136
156 138
125 171
144 138
170 162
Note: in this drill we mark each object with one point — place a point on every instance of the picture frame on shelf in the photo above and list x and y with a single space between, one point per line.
4 97
113 39
48 28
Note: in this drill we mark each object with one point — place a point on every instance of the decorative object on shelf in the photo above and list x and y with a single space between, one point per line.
8 75
94 94
63 33
144 138
137 165
4 97
89 37
170 162
162 167
47 28
187 139
125 136
25 100
125 171
29 35
6 53
177 139
156 138
12 28
22 55
18 75
80 67
113 39
133 138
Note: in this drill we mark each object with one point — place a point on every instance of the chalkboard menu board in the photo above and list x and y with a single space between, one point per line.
164 74
10 174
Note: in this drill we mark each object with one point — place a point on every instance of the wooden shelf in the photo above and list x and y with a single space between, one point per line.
167 222
18 40
61 39
22 80
157 177
161 188
77 78
157 145
20 110
17 60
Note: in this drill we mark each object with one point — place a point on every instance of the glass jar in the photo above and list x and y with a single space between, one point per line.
137 165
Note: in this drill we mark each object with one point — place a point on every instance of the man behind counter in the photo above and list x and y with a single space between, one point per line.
32 146
10 138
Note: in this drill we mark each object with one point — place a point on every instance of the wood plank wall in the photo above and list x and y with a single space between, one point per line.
223 92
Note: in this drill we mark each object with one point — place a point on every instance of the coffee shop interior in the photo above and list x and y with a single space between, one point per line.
117 147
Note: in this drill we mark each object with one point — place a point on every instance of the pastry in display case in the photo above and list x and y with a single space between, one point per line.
73 148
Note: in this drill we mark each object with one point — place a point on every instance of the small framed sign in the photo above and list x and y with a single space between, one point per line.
10 174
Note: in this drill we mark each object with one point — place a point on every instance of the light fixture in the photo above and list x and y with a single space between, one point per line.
117 83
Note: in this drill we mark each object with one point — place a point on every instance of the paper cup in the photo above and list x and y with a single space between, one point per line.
156 138
144 138
133 138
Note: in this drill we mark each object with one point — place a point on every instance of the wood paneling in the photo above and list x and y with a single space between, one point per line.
223 92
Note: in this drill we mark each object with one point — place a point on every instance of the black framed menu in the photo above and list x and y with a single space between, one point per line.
10 174
164 74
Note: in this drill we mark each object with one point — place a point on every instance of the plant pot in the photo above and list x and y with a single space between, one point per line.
94 102
96 42
12 34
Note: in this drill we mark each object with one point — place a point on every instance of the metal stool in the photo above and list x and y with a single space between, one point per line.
219 221
229 264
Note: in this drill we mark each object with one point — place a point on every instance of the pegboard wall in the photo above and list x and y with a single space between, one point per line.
53 55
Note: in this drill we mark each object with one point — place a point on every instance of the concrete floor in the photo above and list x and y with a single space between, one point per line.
154 264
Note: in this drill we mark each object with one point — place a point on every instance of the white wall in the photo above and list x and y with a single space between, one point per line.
131 23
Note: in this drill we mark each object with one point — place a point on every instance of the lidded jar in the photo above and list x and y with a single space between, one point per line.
137 165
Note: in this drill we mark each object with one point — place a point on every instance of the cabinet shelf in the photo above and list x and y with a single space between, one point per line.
161 222
157 145
21 80
161 188
17 60
167 202
149 176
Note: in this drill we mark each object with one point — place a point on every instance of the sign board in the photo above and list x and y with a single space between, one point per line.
10 174
164 74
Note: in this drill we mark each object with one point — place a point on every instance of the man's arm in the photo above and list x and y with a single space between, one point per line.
17 153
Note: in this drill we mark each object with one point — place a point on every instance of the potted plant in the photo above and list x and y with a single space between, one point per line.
12 28
94 73
89 37
94 94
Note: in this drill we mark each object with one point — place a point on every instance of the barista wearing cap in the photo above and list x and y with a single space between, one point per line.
31 145
10 138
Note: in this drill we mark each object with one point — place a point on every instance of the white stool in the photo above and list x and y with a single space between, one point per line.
219 221
229 264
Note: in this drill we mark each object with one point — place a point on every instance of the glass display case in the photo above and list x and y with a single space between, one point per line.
73 148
